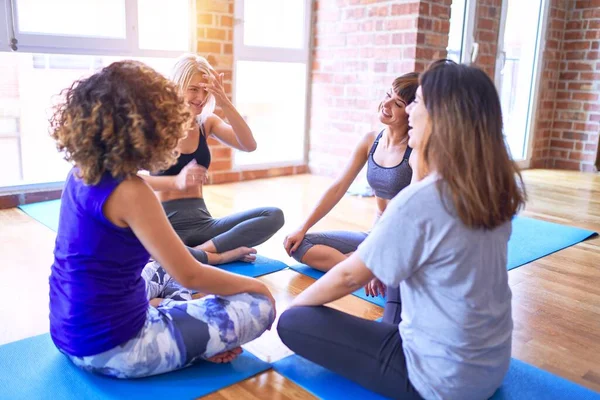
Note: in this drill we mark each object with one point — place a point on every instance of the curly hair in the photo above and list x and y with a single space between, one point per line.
121 120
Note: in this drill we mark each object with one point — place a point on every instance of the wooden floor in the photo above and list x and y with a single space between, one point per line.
556 300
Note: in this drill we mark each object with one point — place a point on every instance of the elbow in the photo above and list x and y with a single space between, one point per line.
187 281
252 147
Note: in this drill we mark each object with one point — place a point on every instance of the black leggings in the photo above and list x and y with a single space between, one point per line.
367 352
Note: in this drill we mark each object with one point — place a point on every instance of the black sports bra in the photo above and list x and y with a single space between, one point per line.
201 154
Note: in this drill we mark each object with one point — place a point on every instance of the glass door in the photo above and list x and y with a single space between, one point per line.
518 71
461 46
271 51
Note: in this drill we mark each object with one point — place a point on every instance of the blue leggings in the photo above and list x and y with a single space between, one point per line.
343 241
179 333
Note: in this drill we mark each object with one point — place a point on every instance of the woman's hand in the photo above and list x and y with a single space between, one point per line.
214 86
191 175
293 241
374 288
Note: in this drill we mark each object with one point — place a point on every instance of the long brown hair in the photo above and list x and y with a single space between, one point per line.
466 145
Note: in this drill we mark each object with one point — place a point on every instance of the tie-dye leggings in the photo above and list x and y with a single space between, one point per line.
179 332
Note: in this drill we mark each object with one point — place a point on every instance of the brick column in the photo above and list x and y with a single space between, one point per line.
359 48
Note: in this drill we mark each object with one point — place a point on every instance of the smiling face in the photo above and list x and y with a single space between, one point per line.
392 110
195 95
418 121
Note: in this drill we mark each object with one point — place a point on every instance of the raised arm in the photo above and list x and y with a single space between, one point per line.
333 194
237 133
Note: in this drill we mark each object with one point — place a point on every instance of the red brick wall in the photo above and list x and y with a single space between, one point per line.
359 48
576 128
574 133
486 30
550 78
215 41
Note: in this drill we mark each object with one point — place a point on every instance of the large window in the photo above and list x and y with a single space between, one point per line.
518 70
461 47
152 28
271 46
58 42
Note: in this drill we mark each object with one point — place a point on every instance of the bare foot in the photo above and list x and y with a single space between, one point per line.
246 254
226 356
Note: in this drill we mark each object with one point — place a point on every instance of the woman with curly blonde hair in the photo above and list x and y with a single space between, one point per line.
179 188
125 118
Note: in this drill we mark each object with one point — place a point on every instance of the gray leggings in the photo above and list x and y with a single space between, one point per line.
194 225
343 241
336 341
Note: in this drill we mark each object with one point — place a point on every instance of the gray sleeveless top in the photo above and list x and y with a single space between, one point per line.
388 182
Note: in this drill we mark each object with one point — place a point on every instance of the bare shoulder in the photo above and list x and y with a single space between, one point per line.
367 141
132 194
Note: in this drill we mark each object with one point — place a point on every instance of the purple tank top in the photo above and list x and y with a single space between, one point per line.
97 295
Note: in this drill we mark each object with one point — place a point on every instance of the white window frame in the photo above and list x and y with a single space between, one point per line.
4 23
537 73
62 44
243 52
470 48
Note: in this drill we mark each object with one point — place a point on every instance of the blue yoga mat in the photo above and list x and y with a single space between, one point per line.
321 382
523 382
47 213
316 274
532 239
526 382
262 266
34 369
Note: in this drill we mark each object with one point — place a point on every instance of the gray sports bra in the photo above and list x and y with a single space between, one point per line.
388 182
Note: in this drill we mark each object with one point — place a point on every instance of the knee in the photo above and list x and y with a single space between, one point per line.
288 323
300 252
266 315
276 217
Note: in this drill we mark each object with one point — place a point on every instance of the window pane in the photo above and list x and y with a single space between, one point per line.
455 36
29 87
162 26
89 18
517 75
9 161
274 23
272 98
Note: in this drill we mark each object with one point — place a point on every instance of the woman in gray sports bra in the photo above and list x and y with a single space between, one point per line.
388 171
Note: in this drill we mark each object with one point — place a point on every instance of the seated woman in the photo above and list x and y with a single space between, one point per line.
179 187
125 118
388 172
443 240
